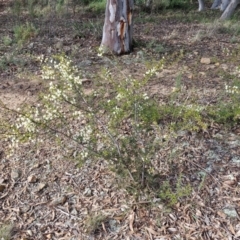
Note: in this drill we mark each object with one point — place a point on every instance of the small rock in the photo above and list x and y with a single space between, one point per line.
29 233
59 45
182 133
15 174
236 160
74 212
211 67
31 45
233 144
202 73
49 236
49 49
224 66
113 224
67 48
172 230
85 63
209 169
230 212
218 136
25 208
32 179
2 187
41 186
57 201
205 60
140 54
87 192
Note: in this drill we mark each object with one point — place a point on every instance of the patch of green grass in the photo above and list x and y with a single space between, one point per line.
226 113
38 8
158 5
24 32
181 114
9 60
97 6
94 222
3 63
191 15
16 7
156 47
183 117
194 117
89 27
223 27
5 231
172 4
7 40
171 194
140 17
80 2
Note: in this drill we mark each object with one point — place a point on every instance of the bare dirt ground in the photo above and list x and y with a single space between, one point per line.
45 196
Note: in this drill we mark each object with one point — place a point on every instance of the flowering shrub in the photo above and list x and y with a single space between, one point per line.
230 111
232 89
116 121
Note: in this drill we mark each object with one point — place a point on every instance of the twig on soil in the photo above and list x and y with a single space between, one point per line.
68 214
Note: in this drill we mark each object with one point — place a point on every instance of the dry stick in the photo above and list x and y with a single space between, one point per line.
3 196
143 165
111 137
68 214
204 170
64 134
115 142
43 125
215 179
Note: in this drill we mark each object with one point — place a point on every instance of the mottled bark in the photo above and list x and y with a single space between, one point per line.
230 9
117 29
216 4
224 5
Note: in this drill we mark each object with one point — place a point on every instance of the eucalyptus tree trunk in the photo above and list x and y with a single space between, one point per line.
224 5
117 29
216 4
200 5
221 4
230 9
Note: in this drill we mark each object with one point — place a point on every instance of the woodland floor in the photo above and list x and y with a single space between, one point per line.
44 196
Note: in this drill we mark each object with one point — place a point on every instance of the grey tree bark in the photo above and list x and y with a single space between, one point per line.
118 28
216 4
224 5
230 9
200 5
221 4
